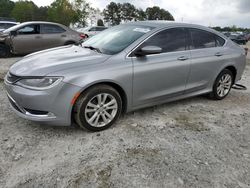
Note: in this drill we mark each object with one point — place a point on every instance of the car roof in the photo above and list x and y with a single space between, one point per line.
8 22
40 22
159 24
163 23
43 22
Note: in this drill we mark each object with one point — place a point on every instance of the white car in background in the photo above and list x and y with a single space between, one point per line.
91 31
6 24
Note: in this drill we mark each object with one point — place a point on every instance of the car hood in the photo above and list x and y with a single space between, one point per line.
56 59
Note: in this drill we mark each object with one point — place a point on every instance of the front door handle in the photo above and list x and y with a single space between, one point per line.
218 54
38 37
182 58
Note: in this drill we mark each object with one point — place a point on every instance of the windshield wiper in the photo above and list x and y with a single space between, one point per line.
93 48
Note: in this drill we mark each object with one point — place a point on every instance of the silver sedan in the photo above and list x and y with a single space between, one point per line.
122 69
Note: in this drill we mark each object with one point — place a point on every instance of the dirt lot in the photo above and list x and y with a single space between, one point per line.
190 143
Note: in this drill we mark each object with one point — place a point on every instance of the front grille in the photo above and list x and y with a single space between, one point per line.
11 78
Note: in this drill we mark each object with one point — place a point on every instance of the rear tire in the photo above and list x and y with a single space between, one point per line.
4 50
222 85
97 108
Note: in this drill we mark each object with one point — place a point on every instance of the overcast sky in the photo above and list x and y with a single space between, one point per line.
204 12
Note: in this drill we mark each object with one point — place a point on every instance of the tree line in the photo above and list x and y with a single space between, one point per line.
231 29
77 11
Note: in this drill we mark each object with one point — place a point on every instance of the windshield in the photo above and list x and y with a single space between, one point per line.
116 39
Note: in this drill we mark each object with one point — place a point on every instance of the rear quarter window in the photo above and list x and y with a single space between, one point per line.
219 41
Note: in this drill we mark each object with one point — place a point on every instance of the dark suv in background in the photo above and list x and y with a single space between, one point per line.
34 36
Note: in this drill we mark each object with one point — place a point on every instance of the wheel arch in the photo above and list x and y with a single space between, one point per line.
115 85
233 70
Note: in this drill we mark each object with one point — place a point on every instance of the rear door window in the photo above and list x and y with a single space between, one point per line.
100 28
93 29
51 29
2 26
170 40
202 39
8 25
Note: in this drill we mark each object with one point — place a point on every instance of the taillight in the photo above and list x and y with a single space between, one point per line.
82 36
246 51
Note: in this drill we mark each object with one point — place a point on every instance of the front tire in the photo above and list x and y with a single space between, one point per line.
222 85
98 108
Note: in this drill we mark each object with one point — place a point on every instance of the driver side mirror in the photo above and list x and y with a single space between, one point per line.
148 50
13 33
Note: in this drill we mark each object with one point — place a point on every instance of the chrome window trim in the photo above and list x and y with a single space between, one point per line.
165 28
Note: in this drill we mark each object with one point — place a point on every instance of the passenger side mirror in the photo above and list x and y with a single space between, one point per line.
13 33
148 50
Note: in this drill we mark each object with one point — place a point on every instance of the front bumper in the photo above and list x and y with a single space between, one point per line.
52 106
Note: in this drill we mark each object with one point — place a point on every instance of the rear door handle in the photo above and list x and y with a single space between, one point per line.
38 37
63 35
218 54
182 58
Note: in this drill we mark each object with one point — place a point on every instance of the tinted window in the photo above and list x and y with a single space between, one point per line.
49 28
92 29
219 41
8 25
100 28
2 26
202 39
169 40
29 29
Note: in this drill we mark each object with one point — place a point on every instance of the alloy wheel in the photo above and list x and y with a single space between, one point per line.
224 85
101 110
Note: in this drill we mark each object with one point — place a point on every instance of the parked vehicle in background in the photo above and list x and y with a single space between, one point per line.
124 68
248 36
91 31
34 36
6 25
239 39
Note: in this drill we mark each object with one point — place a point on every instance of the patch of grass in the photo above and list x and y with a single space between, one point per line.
142 151
187 123
84 177
103 177
248 61
92 176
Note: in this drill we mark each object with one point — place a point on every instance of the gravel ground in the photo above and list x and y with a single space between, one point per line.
195 142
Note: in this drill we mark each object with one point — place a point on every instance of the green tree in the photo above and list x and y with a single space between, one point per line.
81 8
6 7
128 12
140 15
41 13
100 22
24 11
155 13
61 11
112 13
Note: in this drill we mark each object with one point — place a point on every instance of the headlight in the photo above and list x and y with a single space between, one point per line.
39 83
